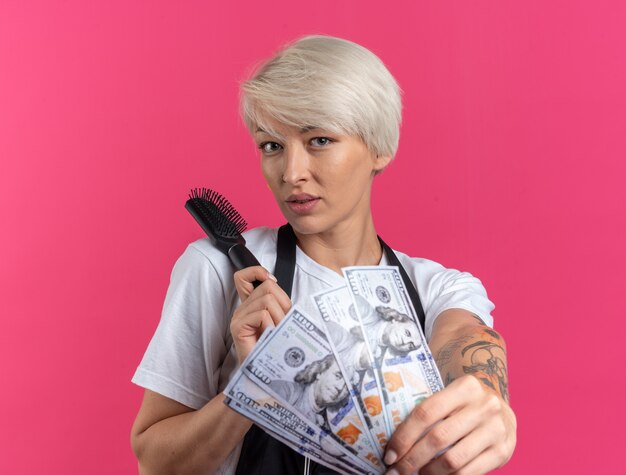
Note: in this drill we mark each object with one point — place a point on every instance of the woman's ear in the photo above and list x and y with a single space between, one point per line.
381 162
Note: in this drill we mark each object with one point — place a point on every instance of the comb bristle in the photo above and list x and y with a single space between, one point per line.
225 219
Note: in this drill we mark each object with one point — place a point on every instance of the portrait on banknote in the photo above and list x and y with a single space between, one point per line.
389 331
317 387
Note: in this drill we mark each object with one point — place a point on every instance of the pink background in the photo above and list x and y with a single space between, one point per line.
511 166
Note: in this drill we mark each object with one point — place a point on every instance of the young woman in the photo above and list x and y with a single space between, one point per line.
325 114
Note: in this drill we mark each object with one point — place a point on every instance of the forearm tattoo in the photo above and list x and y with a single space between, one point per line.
481 354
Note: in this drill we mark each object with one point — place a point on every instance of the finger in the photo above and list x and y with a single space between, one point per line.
463 452
253 324
245 278
495 456
265 301
483 463
434 409
487 461
248 329
281 296
443 435
271 287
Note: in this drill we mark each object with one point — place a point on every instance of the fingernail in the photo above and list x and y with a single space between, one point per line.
390 458
271 276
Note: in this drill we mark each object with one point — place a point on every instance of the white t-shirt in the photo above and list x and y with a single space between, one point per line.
191 357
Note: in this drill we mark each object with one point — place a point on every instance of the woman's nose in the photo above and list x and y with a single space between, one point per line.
296 165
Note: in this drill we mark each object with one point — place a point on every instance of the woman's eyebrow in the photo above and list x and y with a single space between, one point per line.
275 135
304 129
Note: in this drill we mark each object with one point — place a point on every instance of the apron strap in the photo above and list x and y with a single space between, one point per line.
408 283
260 453
285 258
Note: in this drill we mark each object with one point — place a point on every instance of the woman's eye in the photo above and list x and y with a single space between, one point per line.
269 147
320 141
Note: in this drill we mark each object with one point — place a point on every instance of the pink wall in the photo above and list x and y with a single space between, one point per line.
510 166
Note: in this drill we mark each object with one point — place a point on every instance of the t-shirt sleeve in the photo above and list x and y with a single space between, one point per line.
184 357
451 288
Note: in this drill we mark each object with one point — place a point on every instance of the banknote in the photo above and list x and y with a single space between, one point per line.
296 366
295 444
245 397
403 363
348 343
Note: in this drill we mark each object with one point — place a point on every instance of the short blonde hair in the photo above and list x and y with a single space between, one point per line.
326 82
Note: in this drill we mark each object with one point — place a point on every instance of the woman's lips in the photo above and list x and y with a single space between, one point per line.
302 204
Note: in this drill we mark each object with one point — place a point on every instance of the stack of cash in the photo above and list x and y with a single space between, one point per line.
334 386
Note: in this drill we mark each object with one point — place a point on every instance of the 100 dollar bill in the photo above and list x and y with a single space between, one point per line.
296 366
403 363
280 422
348 343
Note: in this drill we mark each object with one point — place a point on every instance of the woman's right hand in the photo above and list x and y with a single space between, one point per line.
261 307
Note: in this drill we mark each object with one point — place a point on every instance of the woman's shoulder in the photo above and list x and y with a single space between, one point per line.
261 238
441 288
260 241
434 277
419 264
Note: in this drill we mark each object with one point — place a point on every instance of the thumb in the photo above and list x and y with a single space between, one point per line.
246 280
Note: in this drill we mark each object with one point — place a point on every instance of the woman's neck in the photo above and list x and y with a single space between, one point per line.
347 244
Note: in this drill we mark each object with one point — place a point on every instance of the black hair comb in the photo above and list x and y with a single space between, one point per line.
223 224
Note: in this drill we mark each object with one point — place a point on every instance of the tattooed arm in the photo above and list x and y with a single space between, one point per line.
471 417
464 346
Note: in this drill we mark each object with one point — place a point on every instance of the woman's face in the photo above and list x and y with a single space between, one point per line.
402 336
329 387
320 180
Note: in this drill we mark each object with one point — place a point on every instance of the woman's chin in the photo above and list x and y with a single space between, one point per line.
306 225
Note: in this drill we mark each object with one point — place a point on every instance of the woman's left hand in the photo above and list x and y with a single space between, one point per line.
474 424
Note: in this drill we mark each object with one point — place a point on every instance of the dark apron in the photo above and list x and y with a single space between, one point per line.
261 454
